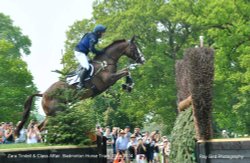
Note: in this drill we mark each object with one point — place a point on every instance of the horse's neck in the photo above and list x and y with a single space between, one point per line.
116 51
112 55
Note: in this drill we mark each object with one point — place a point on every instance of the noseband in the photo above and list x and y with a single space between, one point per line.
131 48
138 57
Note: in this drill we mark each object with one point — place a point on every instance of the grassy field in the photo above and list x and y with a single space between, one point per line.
24 146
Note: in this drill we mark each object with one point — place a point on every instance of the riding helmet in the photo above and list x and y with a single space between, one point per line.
100 28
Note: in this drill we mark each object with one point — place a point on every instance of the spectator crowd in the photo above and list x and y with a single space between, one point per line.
124 146
29 135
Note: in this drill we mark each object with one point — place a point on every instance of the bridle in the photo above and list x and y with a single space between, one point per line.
105 64
139 57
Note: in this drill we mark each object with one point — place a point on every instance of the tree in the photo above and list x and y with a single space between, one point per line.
15 80
72 125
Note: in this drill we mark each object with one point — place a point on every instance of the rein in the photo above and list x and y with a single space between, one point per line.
104 64
108 56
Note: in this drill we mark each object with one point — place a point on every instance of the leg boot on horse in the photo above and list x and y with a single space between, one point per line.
83 75
128 86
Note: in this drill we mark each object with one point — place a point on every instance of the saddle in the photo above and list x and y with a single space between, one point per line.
74 76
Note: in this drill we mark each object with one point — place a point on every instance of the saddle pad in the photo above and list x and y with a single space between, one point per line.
76 79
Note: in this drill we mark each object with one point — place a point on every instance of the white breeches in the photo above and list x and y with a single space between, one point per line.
82 59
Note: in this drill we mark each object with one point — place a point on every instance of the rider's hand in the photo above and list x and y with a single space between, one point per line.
100 52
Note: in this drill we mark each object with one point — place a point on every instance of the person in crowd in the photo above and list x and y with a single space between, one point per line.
132 145
121 143
1 125
160 145
2 132
8 134
31 123
141 152
33 134
137 132
1 136
150 145
110 143
146 136
156 137
99 131
119 158
163 138
166 150
127 131
114 137
224 134
22 135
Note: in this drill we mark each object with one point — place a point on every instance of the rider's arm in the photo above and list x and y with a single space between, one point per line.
92 48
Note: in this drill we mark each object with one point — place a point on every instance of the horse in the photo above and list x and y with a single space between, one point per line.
105 75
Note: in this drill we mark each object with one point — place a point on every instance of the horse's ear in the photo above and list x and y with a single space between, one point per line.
133 39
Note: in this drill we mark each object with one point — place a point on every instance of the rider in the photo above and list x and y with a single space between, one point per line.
86 45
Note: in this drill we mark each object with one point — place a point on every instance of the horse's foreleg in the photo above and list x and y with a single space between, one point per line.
116 76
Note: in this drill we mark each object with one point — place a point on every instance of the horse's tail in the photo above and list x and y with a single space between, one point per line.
26 113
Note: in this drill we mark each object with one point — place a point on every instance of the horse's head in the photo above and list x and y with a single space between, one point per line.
134 53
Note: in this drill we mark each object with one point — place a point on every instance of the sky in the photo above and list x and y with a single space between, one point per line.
45 23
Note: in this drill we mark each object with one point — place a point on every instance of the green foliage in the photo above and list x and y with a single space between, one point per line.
230 33
183 138
72 125
13 35
165 29
15 79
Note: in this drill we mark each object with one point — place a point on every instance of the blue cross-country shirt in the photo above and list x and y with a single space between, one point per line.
87 44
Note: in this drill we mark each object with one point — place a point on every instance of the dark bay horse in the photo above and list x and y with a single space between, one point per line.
103 78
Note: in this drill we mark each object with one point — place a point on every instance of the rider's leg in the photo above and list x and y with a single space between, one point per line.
83 60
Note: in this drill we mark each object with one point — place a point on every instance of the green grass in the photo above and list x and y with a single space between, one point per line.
22 145
32 146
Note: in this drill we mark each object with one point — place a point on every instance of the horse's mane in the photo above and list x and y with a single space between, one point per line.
113 43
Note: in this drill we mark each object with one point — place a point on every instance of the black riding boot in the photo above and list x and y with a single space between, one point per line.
83 75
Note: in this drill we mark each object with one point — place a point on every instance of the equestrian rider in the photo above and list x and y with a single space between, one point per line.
86 45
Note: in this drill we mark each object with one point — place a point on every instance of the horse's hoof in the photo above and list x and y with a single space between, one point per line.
124 86
129 89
